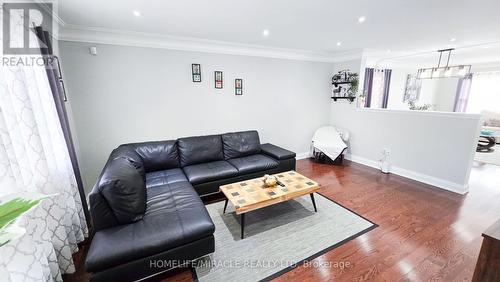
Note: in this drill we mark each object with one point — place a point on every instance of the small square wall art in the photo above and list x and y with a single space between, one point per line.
218 79
238 86
196 72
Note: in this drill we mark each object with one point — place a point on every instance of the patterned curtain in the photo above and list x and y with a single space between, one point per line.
56 85
367 87
34 158
376 87
387 86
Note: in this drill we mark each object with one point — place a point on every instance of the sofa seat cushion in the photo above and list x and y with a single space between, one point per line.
163 177
175 216
211 171
253 163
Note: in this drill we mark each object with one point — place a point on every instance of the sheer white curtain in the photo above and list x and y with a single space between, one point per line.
34 158
377 89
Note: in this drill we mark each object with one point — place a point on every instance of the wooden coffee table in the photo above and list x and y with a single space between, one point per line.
251 194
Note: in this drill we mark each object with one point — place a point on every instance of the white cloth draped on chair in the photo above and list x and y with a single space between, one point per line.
329 140
34 158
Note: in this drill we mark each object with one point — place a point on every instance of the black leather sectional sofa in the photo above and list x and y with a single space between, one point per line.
146 208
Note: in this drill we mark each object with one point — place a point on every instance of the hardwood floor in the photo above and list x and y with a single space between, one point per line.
424 233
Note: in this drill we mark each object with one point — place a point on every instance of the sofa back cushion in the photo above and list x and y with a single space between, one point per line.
200 149
240 144
124 189
158 155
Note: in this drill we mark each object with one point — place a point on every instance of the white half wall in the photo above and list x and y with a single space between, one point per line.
436 148
133 94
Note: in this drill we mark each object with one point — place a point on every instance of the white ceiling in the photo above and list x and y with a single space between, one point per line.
313 25
481 56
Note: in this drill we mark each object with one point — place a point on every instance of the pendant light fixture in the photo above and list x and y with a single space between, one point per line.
446 71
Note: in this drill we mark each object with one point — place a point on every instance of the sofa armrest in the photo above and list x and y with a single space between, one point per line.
276 152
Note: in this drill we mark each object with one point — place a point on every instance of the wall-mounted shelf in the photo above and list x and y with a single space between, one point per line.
344 85
351 99
341 82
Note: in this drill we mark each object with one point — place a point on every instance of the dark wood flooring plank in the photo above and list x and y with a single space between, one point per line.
424 233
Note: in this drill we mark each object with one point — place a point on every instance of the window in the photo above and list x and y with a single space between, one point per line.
485 93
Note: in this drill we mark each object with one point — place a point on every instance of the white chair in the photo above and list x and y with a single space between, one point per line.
329 142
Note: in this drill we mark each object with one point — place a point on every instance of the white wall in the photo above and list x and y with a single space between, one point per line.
397 88
440 93
444 99
432 147
132 94
428 91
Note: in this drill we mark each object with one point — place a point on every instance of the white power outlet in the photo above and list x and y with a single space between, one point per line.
386 152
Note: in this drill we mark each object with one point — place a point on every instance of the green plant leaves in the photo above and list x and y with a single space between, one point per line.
12 209
9 212
9 233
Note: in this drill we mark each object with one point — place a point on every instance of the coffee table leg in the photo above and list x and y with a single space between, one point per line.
225 206
242 225
314 202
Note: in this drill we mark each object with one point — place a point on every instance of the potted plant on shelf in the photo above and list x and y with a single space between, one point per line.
353 78
345 85
412 106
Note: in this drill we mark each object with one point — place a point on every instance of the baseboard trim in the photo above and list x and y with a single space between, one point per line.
303 155
363 161
420 177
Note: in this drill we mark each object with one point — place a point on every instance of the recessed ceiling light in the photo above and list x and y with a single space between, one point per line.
265 32
339 43
389 50
136 13
453 40
361 19
486 47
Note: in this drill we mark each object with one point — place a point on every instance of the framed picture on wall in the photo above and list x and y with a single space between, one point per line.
412 88
218 80
196 72
238 86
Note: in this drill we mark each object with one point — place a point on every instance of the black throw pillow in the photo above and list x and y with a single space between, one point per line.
127 152
123 187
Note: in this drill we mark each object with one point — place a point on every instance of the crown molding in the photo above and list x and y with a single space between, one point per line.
54 11
74 33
